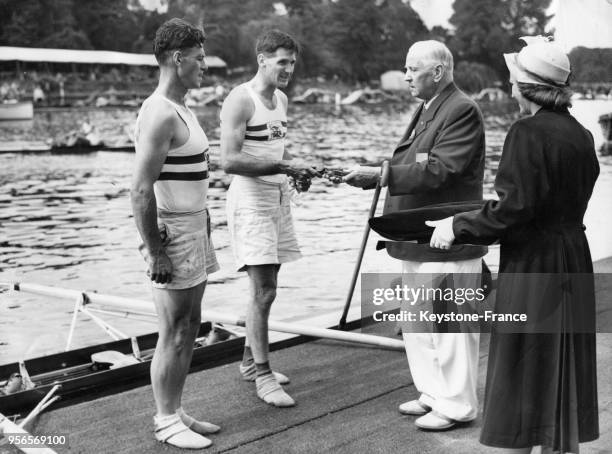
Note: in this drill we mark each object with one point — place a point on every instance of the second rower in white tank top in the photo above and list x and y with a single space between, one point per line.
265 132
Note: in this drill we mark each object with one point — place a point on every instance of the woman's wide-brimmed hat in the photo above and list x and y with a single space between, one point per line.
540 62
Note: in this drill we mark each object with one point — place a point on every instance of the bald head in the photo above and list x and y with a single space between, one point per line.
429 68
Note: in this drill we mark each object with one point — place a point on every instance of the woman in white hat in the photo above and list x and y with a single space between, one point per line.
541 380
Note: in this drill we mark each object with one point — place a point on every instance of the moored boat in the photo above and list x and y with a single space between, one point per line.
112 366
123 364
605 121
21 147
43 148
16 110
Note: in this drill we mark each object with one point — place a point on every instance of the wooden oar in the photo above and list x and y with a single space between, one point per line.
144 307
384 179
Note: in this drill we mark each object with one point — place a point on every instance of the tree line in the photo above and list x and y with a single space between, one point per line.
354 40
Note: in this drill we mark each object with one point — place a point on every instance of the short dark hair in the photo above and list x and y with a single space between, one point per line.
271 40
553 98
176 34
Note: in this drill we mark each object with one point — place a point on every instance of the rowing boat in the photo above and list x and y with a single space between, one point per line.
23 110
44 148
84 373
83 377
88 372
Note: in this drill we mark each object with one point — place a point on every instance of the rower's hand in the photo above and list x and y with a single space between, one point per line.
301 184
443 235
363 176
160 268
300 170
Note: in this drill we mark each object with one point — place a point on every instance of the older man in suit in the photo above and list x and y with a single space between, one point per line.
439 159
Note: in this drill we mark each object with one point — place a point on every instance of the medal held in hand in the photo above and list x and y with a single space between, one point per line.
334 174
300 184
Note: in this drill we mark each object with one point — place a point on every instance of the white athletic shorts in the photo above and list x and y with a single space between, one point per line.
187 243
260 223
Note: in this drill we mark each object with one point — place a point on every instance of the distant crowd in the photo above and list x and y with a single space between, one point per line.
46 88
124 87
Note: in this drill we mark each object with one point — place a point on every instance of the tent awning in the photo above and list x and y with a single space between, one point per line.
88 56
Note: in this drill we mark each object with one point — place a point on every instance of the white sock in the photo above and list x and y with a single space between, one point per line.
172 430
201 427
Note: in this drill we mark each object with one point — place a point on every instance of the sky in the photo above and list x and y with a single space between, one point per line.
585 23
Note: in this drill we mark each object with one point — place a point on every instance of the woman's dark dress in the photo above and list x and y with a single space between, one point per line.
541 388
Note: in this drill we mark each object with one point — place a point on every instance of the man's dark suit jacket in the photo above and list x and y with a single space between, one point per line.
450 137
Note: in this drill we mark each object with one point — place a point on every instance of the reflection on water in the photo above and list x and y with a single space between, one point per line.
64 212
66 220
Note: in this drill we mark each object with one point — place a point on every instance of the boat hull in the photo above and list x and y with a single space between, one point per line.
43 148
17 111
92 384
83 377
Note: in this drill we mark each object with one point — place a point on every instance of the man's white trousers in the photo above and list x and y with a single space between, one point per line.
444 366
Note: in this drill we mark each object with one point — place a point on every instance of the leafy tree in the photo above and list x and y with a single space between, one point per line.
300 7
356 40
372 38
316 56
354 34
66 38
473 77
148 23
307 22
20 23
45 23
591 65
224 22
440 33
401 27
78 24
109 24
484 29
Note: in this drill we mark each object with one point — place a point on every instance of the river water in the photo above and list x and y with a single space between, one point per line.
66 221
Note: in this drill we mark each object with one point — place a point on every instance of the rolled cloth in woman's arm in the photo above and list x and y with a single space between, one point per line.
409 225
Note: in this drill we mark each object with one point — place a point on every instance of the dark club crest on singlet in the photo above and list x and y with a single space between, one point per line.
276 130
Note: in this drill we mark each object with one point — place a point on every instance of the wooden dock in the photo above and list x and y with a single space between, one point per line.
347 397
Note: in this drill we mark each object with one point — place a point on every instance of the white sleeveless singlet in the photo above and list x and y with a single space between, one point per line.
265 133
182 185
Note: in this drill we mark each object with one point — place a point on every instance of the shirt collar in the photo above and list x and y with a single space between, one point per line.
428 103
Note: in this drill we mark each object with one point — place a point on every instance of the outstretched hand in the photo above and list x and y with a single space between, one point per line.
363 176
334 174
301 171
443 235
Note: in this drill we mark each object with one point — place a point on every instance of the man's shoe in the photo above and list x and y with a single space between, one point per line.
249 373
171 430
200 427
414 408
435 421
271 392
